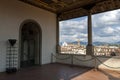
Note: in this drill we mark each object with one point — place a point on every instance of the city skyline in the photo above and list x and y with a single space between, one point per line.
106 28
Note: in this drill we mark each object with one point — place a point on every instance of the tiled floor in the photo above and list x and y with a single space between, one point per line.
59 72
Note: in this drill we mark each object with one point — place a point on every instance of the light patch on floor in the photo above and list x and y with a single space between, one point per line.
96 75
111 73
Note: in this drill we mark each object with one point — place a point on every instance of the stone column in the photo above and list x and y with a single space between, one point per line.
89 48
57 35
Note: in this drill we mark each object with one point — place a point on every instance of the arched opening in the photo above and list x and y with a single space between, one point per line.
30 44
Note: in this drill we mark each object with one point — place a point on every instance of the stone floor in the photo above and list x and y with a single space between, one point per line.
60 72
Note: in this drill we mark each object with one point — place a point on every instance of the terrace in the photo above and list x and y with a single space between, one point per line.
60 72
30 37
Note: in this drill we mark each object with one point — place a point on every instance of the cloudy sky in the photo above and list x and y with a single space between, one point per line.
106 28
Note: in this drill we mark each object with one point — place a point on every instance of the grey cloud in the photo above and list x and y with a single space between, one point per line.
100 22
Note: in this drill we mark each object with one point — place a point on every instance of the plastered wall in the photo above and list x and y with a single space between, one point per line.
12 14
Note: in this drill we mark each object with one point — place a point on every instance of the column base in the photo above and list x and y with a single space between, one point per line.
58 49
90 50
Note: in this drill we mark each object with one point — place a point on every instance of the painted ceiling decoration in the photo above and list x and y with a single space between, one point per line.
67 9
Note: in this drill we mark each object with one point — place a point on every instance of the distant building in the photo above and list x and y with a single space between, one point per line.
70 48
64 44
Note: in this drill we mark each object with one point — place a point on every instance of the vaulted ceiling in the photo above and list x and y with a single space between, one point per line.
67 9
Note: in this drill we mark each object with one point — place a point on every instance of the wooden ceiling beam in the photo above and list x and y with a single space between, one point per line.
67 9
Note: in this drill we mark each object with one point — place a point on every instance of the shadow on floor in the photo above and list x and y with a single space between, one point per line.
46 72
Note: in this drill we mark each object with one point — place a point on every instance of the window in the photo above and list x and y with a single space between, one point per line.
73 36
106 33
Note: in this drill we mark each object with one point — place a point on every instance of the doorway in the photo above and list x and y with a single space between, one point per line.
30 53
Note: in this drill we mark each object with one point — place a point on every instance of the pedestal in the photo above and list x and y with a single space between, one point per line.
90 50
